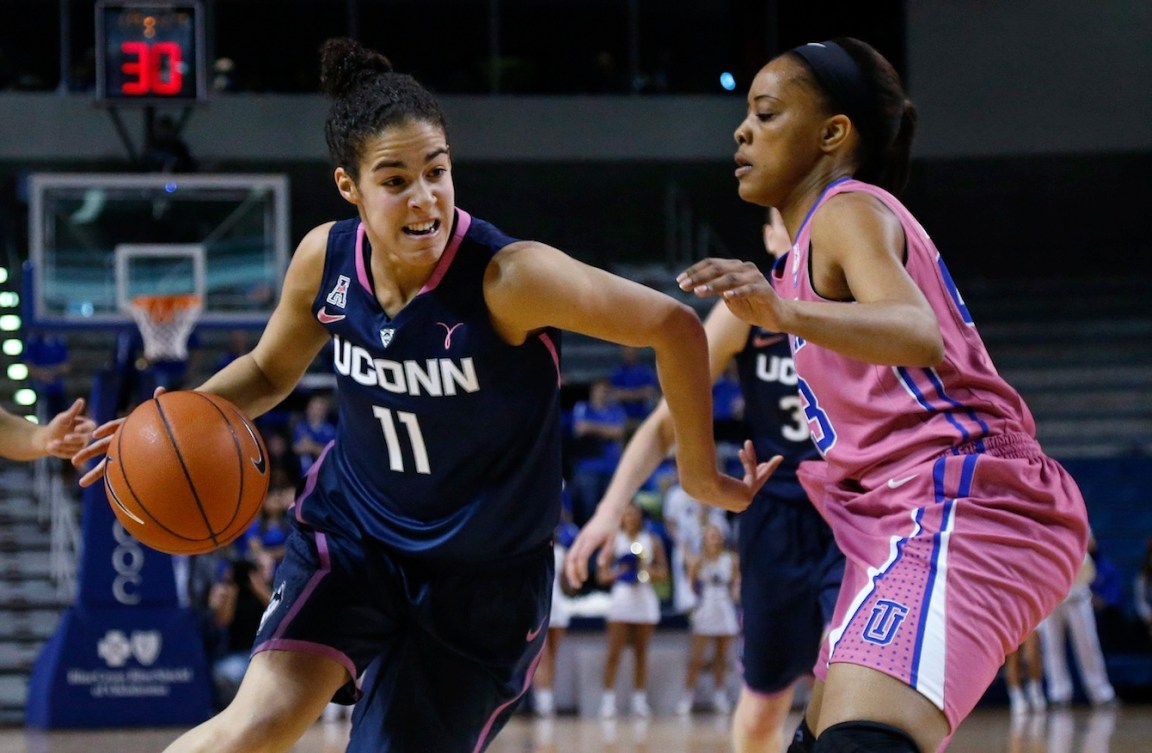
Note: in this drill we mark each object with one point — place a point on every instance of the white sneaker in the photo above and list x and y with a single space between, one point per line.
720 702
608 705
684 705
640 705
1036 697
1017 702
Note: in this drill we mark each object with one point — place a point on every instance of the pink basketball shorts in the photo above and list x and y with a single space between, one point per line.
950 565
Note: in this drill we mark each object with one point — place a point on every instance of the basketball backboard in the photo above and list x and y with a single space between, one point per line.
99 240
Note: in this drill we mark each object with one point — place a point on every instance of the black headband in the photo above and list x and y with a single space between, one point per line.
840 77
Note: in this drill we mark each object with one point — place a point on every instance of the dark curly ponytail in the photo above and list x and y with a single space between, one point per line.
367 97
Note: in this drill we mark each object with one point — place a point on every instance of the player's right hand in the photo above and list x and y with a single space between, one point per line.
598 532
101 440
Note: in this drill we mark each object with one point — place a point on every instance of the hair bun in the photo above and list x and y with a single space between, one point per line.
345 65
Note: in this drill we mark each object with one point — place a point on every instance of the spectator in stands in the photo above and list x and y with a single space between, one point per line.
598 426
1142 587
728 407
1073 619
634 386
237 601
239 343
1024 698
281 458
634 561
47 358
313 432
265 539
715 573
543 684
1108 600
685 519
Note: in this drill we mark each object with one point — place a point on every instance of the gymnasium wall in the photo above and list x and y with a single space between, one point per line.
1034 144
1030 77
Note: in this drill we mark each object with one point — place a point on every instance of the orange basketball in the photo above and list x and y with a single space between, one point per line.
186 472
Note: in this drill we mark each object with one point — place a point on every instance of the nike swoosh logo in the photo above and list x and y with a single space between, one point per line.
896 483
326 318
260 462
112 493
533 633
759 341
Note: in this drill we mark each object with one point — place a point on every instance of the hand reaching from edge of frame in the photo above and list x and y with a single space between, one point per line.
68 431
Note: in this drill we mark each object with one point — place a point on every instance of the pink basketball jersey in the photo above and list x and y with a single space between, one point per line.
870 421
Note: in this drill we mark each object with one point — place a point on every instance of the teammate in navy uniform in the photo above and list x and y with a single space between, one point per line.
790 567
420 571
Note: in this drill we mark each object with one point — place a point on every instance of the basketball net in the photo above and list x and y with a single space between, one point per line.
165 322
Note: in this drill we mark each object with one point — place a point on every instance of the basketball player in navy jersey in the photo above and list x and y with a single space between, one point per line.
61 437
790 567
419 575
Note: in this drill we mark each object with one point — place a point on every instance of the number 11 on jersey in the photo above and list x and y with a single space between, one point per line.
392 438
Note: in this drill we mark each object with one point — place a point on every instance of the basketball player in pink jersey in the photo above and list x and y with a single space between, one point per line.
960 534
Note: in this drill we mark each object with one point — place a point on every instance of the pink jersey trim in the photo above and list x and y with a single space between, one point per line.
361 270
463 222
310 484
551 346
308 647
319 575
276 643
482 739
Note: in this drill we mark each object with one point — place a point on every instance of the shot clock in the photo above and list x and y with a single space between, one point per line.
149 51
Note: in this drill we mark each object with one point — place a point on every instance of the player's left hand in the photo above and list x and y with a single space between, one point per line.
742 286
68 431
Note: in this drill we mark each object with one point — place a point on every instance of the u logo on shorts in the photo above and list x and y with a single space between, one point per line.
884 622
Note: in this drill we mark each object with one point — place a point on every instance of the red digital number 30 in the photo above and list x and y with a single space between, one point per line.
146 66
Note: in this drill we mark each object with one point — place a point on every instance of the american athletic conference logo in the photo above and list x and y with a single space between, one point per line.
338 297
885 620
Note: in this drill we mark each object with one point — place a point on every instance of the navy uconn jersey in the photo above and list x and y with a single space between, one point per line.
773 411
448 443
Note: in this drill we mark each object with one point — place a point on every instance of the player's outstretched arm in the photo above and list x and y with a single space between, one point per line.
861 246
530 286
66 433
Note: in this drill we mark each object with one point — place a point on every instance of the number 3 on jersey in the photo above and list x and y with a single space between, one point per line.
392 438
822 432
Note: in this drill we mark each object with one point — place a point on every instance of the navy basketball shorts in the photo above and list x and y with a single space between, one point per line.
790 573
439 654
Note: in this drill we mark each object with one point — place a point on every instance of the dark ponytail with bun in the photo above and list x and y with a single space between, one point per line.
856 80
367 97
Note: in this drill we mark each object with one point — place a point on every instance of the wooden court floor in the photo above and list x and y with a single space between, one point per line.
989 730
